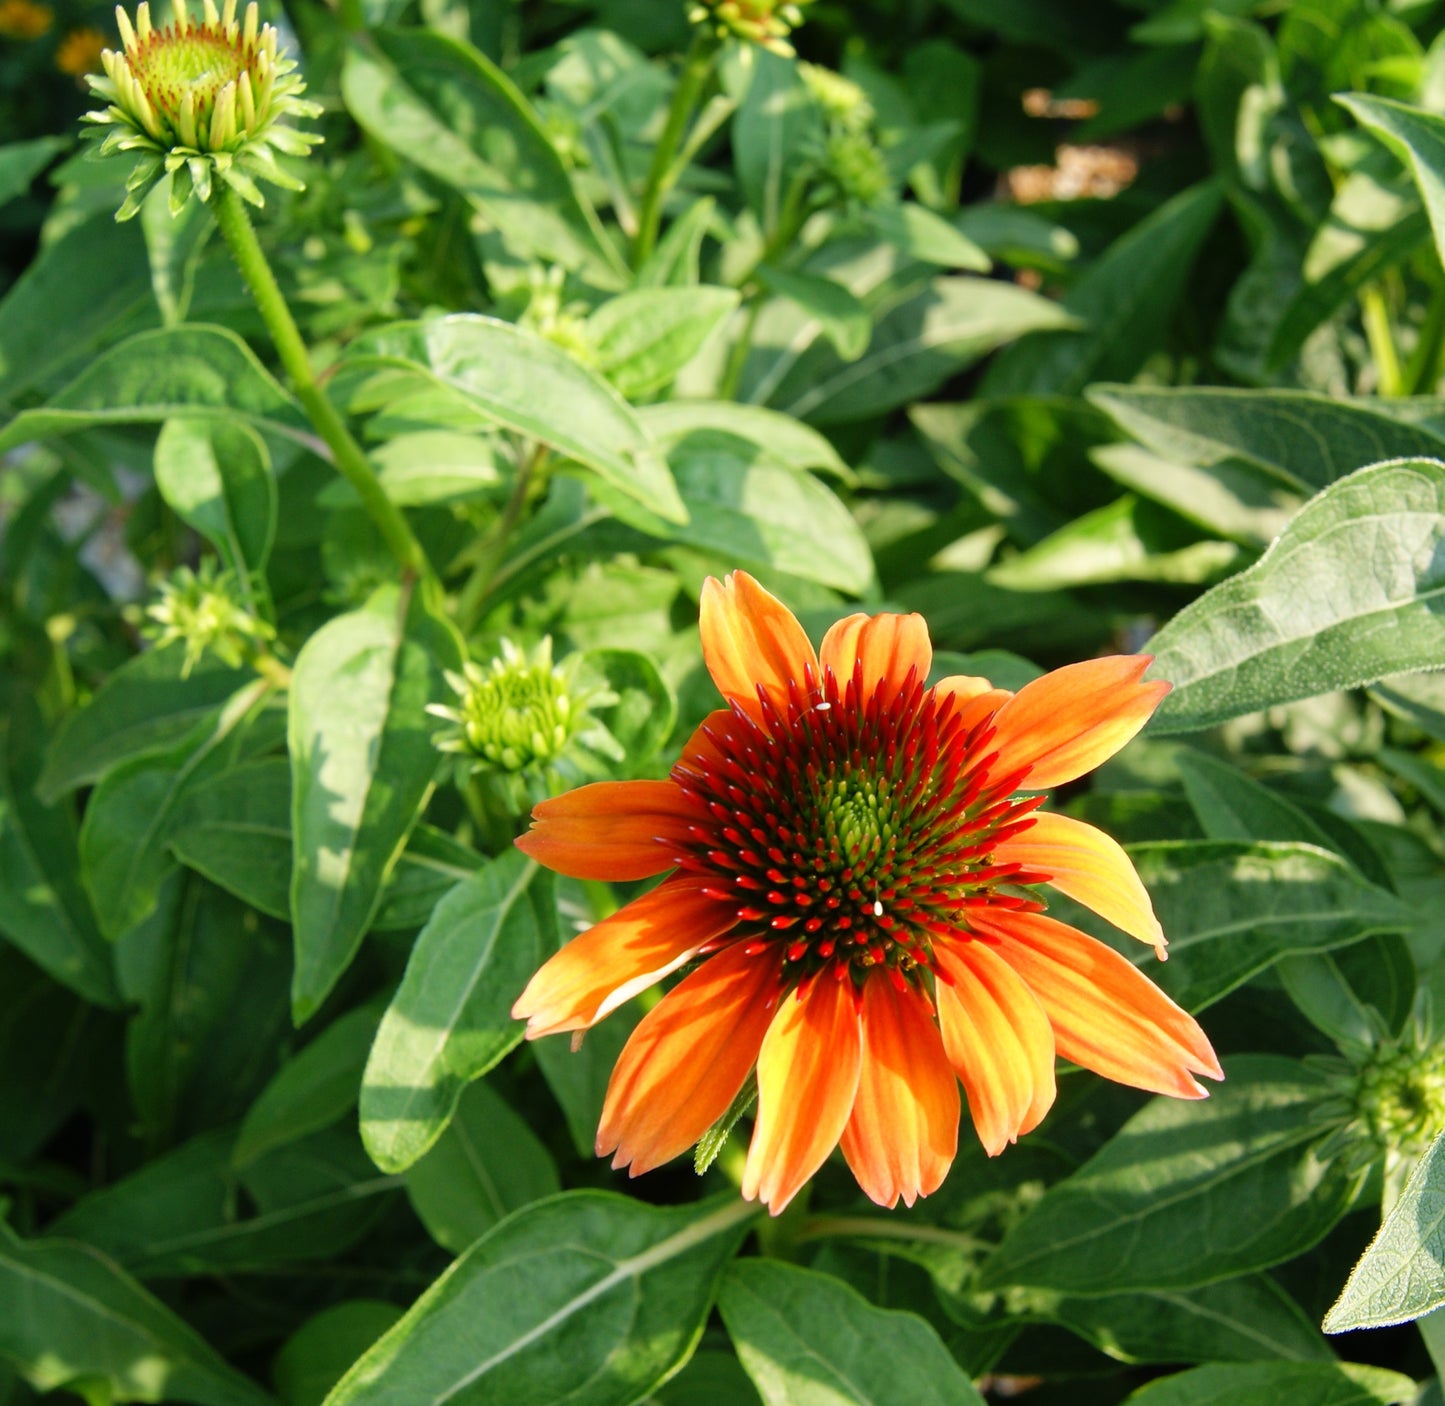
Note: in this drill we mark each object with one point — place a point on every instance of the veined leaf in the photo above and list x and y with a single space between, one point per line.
1400 1277
1348 594
808 1340
362 766
1188 1193
1271 1383
68 1313
642 339
450 1020
585 1296
153 376
526 384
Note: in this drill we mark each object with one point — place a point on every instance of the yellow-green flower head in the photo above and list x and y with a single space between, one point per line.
1400 1095
516 714
763 22
843 101
202 610
201 101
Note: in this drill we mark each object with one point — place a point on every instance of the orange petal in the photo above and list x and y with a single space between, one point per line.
700 751
749 637
611 830
974 699
808 1073
687 1059
998 1040
622 955
1090 867
903 1133
886 646
1107 1015
1071 720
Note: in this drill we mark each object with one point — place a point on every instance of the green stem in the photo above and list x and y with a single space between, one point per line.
348 456
696 70
473 594
1376 317
1422 371
738 353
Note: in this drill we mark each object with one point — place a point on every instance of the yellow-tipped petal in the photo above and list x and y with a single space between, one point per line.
250 23
122 24
179 16
186 122
143 21
213 16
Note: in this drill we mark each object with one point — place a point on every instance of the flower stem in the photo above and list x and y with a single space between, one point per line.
1375 315
696 69
489 557
348 456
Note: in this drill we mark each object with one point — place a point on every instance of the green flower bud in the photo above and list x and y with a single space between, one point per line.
844 103
201 102
763 22
203 611
517 714
1399 1094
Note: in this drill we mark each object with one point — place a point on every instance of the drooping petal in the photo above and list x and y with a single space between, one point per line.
1088 866
610 830
903 1132
687 1059
749 637
808 1072
886 646
624 954
1107 1015
1071 720
998 1040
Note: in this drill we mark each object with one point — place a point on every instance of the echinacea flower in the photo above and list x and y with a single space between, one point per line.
203 101
849 863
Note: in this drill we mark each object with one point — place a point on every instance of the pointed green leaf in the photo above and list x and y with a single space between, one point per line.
1400 1277
1348 594
362 764
67 1312
808 1340
642 339
1188 1193
1275 1383
450 1020
585 1297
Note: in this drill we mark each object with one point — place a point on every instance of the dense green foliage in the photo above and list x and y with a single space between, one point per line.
1070 326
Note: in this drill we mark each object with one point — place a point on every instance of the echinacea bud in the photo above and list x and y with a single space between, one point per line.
201 101
1400 1095
203 611
762 22
518 713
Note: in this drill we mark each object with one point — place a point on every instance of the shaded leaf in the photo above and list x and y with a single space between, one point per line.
1269 1383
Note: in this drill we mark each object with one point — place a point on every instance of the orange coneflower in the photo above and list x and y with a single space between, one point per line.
848 855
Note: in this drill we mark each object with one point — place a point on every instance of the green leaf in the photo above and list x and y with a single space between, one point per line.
174 245
748 433
1233 806
21 162
1399 1277
808 1340
1417 137
1188 1193
154 376
450 1020
528 385
919 233
216 477
315 1090
145 706
426 467
314 1357
362 765
586 1296
754 512
448 109
642 339
67 1312
578 1078
181 1214
1272 1383
642 718
133 811
1230 910
486 1164
1125 299
1125 541
1236 1320
776 127
44 911
1305 441
1346 596
93 282
841 315
916 346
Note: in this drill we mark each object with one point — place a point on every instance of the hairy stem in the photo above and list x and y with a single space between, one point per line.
350 459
